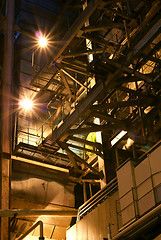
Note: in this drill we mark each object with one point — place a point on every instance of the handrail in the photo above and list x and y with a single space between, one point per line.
39 223
153 189
97 198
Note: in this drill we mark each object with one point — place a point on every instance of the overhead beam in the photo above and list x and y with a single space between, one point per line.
99 40
129 70
86 142
66 83
118 13
85 149
79 159
57 169
77 25
38 212
102 27
86 53
64 146
151 58
109 118
98 128
74 79
123 104
84 106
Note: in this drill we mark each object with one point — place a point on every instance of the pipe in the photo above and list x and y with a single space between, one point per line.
141 222
39 223
37 212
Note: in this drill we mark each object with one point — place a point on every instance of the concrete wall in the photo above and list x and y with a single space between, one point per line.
36 191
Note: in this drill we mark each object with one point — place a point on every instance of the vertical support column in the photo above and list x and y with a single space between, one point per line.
5 161
96 120
109 159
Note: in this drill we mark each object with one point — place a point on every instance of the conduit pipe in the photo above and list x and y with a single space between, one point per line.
39 223
37 212
139 223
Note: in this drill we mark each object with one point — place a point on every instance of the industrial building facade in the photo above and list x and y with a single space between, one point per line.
80 119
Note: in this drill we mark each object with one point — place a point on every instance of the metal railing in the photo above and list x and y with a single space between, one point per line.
98 198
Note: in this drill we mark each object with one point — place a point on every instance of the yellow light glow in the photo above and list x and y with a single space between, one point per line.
42 42
26 104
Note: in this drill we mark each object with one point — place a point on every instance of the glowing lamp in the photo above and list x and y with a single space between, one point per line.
26 104
42 42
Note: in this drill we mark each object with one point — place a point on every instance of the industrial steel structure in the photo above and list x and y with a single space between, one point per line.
80 126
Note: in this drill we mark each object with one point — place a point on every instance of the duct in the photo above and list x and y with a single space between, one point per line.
139 224
39 223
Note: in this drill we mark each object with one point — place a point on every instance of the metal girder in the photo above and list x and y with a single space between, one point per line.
85 149
128 70
66 83
84 141
38 212
78 24
64 146
79 65
156 6
101 41
109 118
122 104
84 106
102 27
86 53
151 58
146 38
98 128
79 159
117 13
74 79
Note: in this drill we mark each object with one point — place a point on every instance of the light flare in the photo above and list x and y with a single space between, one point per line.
26 104
43 42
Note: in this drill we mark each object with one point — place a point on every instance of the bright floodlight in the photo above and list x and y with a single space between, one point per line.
26 104
42 42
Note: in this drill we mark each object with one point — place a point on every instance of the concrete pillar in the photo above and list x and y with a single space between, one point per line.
5 159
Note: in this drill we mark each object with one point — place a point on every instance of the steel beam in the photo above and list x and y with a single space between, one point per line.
123 104
79 159
102 27
78 24
109 118
85 149
98 128
84 106
38 212
94 144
